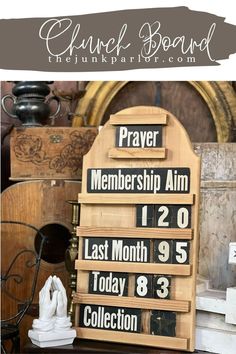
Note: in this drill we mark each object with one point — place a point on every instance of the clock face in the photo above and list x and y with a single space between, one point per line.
201 106
180 98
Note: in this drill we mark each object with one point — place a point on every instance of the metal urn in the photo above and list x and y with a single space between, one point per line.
30 105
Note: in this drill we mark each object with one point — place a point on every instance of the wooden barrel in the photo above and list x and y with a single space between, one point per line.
42 204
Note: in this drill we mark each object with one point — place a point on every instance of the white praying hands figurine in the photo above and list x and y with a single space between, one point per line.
53 327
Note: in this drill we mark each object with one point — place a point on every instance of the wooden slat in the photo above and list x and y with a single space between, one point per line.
137 153
133 338
135 198
131 119
134 267
132 302
137 232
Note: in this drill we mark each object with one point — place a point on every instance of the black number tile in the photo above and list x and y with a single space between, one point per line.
181 251
145 215
163 323
161 287
143 285
163 251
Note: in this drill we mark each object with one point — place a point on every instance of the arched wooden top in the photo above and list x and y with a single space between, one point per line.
179 150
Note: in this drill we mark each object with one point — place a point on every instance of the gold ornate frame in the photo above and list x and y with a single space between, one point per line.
218 95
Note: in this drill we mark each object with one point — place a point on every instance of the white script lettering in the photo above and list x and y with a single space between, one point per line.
56 32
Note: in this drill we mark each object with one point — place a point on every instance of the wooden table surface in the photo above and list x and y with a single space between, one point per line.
83 346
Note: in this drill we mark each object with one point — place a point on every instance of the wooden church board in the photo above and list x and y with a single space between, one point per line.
138 234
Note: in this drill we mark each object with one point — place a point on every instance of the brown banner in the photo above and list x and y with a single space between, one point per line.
121 40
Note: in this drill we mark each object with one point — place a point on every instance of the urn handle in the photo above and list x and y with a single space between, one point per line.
13 99
57 99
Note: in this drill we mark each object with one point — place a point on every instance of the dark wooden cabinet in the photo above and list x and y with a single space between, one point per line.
90 347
